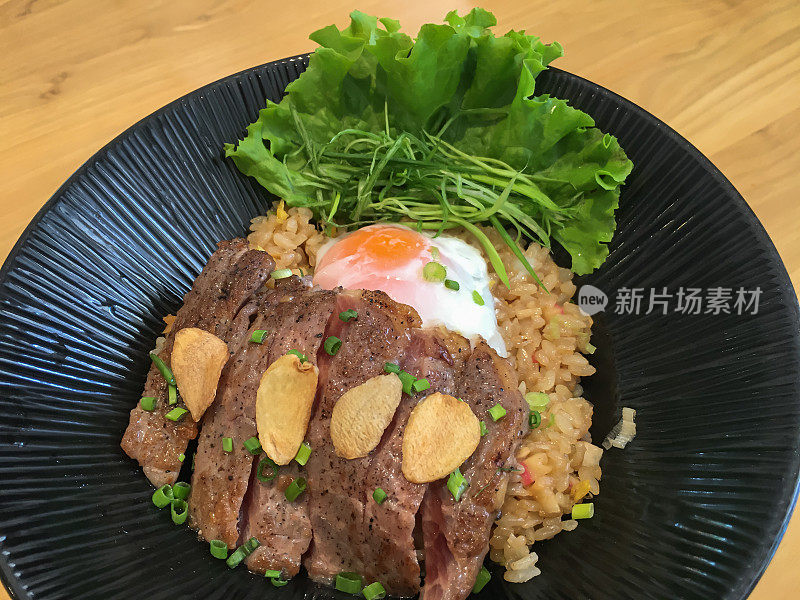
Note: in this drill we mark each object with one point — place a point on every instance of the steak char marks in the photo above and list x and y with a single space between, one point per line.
223 289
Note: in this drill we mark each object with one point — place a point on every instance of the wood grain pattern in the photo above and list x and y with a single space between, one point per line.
724 73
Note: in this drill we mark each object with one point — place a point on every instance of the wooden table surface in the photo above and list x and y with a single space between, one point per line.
723 73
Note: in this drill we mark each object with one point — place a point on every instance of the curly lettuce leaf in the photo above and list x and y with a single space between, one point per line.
461 82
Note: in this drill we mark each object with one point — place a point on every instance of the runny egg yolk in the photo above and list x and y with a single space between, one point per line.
379 245
391 258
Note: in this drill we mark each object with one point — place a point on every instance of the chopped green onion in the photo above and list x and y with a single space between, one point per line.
258 336
234 559
173 394
253 446
391 367
420 385
179 511
251 545
434 271
332 345
266 463
537 400
303 453
457 484
281 273
348 315
219 549
193 457
497 412
181 457
434 253
298 354
589 349
176 414
481 580
269 573
374 591
163 496
181 490
278 582
379 495
551 421
534 419
349 583
148 403
583 511
295 488
227 444
408 381
452 284
477 298
484 430
162 366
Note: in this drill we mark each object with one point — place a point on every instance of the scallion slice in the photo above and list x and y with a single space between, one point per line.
477 298
537 400
481 580
348 315
253 446
379 495
181 490
258 336
227 444
374 591
457 484
484 429
179 511
583 511
350 583
162 366
534 419
181 457
420 385
452 284
251 545
408 381
281 273
298 354
279 582
497 412
266 470
269 573
295 488
434 271
148 403
176 414
163 496
172 393
219 549
234 559
390 367
303 454
332 345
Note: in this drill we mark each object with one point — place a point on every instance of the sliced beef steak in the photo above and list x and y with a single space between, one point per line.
389 554
226 285
456 534
336 487
294 317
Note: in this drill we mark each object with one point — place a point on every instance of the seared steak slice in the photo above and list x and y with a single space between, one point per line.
226 284
456 534
389 555
294 317
336 487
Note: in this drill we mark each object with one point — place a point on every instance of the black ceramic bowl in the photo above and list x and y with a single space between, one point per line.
693 508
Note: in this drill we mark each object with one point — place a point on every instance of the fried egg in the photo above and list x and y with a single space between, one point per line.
391 258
